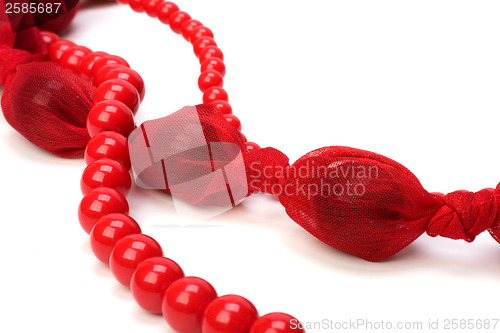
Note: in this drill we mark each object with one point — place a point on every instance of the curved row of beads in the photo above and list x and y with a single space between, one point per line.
189 304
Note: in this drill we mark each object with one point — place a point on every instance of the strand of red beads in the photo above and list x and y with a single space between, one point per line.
189 304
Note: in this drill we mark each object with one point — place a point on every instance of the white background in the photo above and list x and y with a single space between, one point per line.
418 81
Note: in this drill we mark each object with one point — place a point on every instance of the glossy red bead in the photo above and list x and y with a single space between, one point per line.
199 32
129 75
229 313
107 60
129 252
99 76
202 43
72 57
110 145
150 7
106 173
136 6
57 49
223 107
215 64
108 231
118 90
110 115
209 79
188 27
251 146
210 52
233 121
177 19
215 94
88 63
164 10
276 323
184 303
49 37
98 203
150 281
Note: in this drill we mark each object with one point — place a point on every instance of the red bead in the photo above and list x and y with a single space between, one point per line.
233 121
210 52
129 252
99 76
215 94
209 79
98 203
177 19
108 231
107 60
150 280
88 63
72 57
118 90
110 115
184 303
136 5
199 32
187 28
57 49
110 145
106 173
202 43
49 37
129 75
276 323
215 64
251 146
223 107
164 10
150 7
230 313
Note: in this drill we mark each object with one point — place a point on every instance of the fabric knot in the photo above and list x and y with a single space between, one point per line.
464 215
11 58
266 168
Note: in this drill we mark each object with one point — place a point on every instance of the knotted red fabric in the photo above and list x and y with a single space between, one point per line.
356 201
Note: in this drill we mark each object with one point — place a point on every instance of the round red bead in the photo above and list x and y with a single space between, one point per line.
108 231
150 280
230 313
129 252
150 7
118 90
129 75
184 303
107 60
215 64
110 115
49 37
187 28
88 63
276 323
164 10
209 79
199 32
210 52
106 173
214 94
177 19
136 5
223 107
99 76
110 145
98 203
233 121
72 57
251 146
57 49
202 43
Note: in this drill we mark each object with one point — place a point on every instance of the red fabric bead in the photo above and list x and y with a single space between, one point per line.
164 10
88 63
136 5
57 49
110 115
184 303
99 76
107 60
202 43
49 37
110 145
251 146
98 203
150 280
129 75
276 323
150 7
223 107
215 94
129 252
233 121
187 28
210 52
199 32
215 64
106 173
118 90
177 19
209 79
108 231
72 58
230 313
